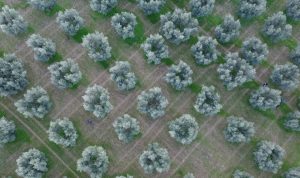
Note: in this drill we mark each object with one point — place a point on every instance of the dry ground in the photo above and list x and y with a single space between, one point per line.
208 156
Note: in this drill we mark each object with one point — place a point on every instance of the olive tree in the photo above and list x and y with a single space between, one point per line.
124 24
179 76
122 75
292 121
265 98
62 132
241 174
254 51
12 75
126 127
94 161
7 131
70 21
151 6
235 71
228 30
286 76
178 26
127 176
292 173
32 163
11 22
155 159
251 8
152 103
268 156
43 5
35 104
184 129
201 8
96 100
238 130
205 51
103 6
208 101
293 9
43 48
65 74
276 27
155 49
295 56
189 175
97 46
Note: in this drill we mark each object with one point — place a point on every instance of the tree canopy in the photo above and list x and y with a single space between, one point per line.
126 127
292 121
70 21
228 30
265 98
151 6
103 6
201 8
7 131
205 51
252 8
254 51
43 5
124 24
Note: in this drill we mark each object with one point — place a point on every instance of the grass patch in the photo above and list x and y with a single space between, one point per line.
106 64
154 18
79 35
210 21
55 58
2 113
56 8
20 5
265 64
167 61
251 85
268 113
96 15
21 136
1 53
2 3
138 34
221 59
224 113
285 109
194 87
193 40
290 43
179 3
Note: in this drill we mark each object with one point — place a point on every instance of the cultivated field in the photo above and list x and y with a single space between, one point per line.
208 156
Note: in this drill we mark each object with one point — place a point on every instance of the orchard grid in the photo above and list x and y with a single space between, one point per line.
208 156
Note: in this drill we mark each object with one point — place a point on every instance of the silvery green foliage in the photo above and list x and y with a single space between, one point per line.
7 131
124 24
155 49
295 56
184 129
94 161
103 6
252 8
65 74
151 6
127 176
208 101
268 156
292 121
32 164
292 173
122 75
152 102
62 132
201 8
97 46
96 100
179 76
276 27
35 104
265 98
228 30
43 48
43 5
155 159
293 9
254 51
286 76
235 71
241 174
11 22
189 175
126 128
204 51
178 26
12 75
70 21
238 130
